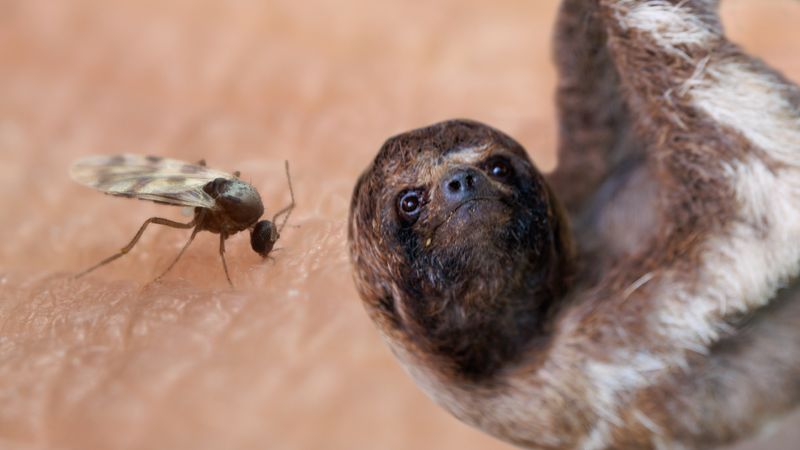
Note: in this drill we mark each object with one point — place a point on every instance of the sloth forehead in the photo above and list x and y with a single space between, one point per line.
420 157
426 167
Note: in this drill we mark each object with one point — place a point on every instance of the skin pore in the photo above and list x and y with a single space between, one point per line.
111 362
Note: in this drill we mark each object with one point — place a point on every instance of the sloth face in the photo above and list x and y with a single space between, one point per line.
456 243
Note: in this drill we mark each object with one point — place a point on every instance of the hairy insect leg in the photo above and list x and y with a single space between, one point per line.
288 209
174 261
222 256
127 248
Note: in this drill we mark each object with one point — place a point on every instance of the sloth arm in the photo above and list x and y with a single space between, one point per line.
601 179
649 353
746 380
725 133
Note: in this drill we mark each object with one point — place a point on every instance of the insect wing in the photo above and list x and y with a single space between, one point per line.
152 178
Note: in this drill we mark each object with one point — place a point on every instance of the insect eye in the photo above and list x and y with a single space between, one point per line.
409 206
499 168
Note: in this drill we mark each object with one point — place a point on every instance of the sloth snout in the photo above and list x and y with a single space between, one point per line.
463 184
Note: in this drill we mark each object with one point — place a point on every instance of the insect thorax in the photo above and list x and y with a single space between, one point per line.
238 206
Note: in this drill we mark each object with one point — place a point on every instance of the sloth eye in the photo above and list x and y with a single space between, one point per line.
409 205
499 168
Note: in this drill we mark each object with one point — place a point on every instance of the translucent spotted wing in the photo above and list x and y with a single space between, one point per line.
152 178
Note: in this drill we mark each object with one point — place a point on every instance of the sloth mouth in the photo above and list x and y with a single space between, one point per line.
458 212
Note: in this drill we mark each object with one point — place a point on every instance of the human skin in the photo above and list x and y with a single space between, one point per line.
287 359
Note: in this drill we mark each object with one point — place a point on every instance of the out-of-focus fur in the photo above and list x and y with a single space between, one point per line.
680 169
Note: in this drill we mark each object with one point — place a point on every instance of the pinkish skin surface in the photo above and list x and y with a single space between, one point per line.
288 360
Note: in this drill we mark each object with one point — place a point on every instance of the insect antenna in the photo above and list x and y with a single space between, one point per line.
288 209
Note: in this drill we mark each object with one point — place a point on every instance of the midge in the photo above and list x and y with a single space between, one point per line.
223 203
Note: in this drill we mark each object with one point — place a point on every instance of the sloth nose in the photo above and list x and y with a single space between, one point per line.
463 184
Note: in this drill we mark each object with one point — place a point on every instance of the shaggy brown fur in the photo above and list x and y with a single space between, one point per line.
664 330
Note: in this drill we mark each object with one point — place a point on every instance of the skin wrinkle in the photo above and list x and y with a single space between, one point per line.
117 372
102 381
52 397
99 80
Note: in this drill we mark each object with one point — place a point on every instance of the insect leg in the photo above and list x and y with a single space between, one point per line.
287 210
185 246
222 255
127 248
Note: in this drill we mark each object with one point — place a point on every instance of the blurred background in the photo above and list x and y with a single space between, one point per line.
288 360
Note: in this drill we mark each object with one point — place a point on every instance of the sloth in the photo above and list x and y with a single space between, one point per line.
642 295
